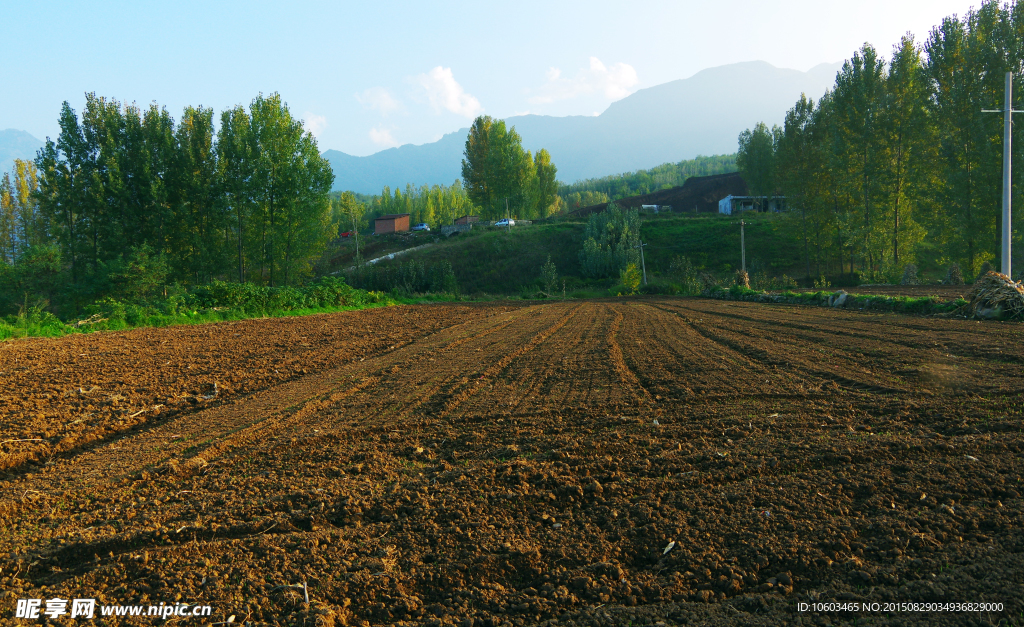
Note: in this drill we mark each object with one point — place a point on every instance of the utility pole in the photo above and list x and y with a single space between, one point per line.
743 247
642 264
1007 112
508 216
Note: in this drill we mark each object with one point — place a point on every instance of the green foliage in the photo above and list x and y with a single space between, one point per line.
686 275
610 242
249 201
496 261
35 276
214 302
586 198
897 164
549 276
413 277
326 292
630 279
595 191
544 191
756 159
139 276
236 300
476 172
499 173
22 225
436 205
763 281
31 319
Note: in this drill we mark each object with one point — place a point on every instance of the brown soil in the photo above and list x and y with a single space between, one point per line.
493 464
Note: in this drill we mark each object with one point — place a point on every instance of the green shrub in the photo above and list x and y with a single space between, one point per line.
630 278
687 274
549 276
761 280
413 277
610 242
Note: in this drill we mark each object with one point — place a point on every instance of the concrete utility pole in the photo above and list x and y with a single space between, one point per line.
642 264
1007 112
743 247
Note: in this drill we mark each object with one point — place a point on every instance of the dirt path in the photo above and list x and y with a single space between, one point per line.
636 461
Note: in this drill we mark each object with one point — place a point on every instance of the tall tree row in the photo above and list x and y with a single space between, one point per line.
502 178
248 201
896 163
598 190
435 205
22 226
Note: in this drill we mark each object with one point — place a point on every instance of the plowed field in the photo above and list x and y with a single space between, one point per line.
653 461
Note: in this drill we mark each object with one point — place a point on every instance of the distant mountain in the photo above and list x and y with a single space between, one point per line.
437 163
678 120
15 144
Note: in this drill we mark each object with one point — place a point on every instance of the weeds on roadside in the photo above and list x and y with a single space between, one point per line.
217 302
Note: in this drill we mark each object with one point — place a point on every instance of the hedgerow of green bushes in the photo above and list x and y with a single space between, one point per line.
906 304
212 302
406 279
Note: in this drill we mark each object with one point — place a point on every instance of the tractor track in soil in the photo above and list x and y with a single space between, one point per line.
521 464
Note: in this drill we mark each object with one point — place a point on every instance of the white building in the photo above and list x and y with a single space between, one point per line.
735 204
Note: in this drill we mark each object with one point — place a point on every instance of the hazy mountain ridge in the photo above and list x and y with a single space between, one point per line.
15 144
700 115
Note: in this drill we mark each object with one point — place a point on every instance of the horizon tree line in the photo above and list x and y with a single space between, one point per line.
896 164
248 201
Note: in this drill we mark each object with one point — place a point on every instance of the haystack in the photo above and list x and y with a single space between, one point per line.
742 279
995 295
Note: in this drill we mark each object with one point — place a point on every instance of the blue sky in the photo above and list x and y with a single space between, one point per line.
368 75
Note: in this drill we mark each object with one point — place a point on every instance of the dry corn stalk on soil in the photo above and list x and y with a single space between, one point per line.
520 464
995 295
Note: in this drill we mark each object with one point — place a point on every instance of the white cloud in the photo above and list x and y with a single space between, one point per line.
380 99
613 82
382 137
314 123
444 93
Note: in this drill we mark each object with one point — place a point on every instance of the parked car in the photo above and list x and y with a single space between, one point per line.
348 234
505 222
422 226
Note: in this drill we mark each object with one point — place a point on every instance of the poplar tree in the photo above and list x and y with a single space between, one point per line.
200 215
545 193
756 159
235 159
66 169
907 153
476 164
497 170
22 224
